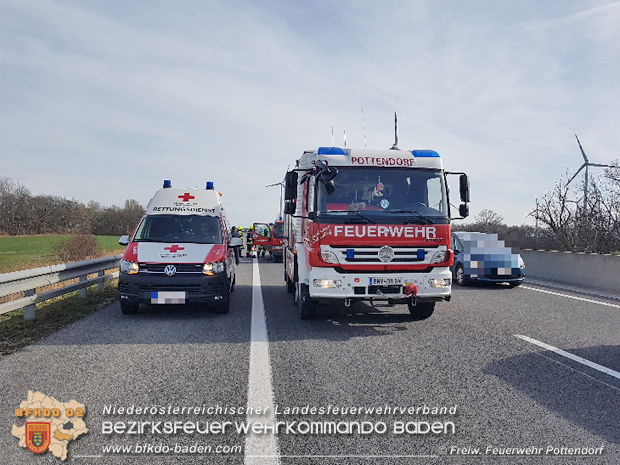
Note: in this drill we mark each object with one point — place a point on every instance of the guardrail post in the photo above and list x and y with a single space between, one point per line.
29 311
100 285
83 290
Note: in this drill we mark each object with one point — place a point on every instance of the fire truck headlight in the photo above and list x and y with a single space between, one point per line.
327 283
329 257
439 256
213 268
128 267
521 262
439 282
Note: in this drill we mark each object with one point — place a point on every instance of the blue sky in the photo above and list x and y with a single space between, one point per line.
103 100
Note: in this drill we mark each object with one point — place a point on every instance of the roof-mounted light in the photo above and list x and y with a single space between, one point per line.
209 185
167 183
425 153
330 151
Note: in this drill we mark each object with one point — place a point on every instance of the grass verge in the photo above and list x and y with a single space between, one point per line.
51 316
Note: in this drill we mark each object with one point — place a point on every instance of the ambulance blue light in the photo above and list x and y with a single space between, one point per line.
209 185
425 153
421 254
350 253
167 183
330 151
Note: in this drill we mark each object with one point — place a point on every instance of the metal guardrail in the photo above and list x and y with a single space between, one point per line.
28 281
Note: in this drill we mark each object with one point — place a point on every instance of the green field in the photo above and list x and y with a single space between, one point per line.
24 252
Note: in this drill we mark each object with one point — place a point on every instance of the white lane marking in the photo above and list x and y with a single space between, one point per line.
262 448
571 297
576 358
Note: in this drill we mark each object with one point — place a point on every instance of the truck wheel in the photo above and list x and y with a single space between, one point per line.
129 309
307 307
290 286
460 277
422 310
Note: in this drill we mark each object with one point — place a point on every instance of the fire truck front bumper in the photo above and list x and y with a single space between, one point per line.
327 283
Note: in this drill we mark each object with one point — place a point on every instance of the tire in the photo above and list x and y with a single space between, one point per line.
129 309
234 280
422 310
307 307
459 276
224 307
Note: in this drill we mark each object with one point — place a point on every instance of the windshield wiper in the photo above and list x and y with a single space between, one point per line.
368 220
420 216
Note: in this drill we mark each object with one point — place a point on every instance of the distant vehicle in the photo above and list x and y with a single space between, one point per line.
485 258
268 237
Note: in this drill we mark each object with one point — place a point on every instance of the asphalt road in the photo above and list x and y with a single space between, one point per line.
501 391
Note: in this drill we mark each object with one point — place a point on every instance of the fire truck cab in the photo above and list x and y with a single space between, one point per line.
369 225
180 252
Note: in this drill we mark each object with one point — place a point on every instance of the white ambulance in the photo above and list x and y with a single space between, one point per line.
180 252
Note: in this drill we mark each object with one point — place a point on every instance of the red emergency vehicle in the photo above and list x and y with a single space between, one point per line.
369 225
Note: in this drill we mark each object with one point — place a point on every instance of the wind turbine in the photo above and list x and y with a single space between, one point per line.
585 165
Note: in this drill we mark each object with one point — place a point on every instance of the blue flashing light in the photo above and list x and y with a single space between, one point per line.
350 253
425 153
167 183
209 185
330 151
421 254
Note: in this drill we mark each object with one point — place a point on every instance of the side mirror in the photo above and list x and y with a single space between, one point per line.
124 241
289 207
464 188
330 187
464 210
236 242
311 216
290 185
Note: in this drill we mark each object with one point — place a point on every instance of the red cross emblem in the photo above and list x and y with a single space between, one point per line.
186 197
175 248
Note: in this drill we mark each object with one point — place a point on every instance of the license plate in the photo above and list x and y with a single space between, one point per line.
386 281
177 297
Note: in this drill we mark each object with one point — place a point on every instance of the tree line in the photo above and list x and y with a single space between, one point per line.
22 213
565 220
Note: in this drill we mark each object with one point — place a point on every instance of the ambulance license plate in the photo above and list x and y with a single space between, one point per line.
176 297
386 281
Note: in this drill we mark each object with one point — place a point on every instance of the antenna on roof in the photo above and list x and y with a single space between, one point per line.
364 127
395 146
345 138
332 136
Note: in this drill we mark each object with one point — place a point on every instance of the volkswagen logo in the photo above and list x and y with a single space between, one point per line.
170 270
386 254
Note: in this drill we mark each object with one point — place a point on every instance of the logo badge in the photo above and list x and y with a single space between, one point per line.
170 270
38 435
384 203
386 254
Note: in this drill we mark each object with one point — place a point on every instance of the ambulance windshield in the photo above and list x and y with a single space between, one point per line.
385 195
180 228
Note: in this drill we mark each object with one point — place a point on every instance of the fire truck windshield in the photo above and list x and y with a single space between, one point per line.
390 195
180 228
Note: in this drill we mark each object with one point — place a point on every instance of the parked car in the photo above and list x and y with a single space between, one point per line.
486 258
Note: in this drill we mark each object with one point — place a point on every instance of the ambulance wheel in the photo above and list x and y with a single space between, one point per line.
459 276
224 307
307 307
422 310
129 309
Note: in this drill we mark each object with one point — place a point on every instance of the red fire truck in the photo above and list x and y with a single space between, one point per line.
269 238
369 225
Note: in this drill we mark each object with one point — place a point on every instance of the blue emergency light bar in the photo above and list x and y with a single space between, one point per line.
425 153
209 185
330 151
167 183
